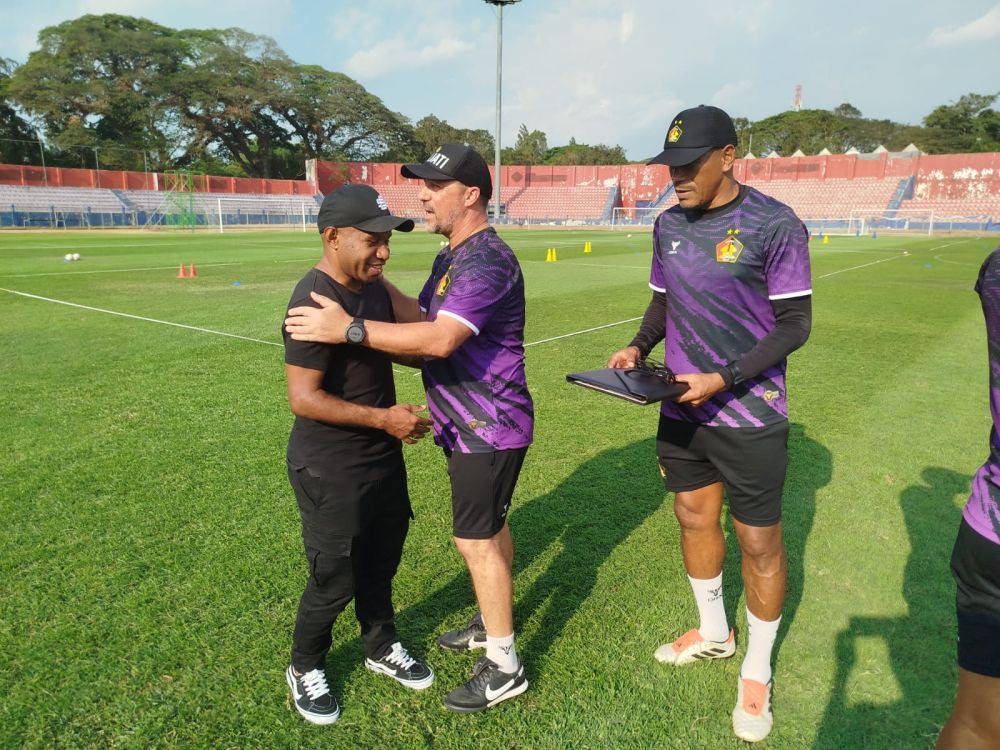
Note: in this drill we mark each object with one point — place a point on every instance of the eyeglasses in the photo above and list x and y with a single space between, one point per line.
645 366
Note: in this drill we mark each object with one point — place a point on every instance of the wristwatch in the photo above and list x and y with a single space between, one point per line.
356 332
735 374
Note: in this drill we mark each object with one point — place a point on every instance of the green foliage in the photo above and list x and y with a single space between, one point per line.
530 148
430 132
103 81
127 86
970 124
847 110
582 154
15 132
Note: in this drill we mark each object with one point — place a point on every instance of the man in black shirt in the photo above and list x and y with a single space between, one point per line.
345 458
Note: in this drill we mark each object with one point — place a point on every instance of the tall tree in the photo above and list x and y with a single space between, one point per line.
16 133
970 124
529 148
98 82
575 153
430 132
847 110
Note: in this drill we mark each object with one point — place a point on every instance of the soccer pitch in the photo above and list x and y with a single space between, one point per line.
151 557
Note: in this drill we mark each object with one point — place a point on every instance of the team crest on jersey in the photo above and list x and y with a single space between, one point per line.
675 133
444 285
769 396
728 251
475 424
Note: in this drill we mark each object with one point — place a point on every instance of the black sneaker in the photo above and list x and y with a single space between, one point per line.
403 668
469 638
312 696
487 687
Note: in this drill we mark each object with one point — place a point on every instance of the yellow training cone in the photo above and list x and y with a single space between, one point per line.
826 239
586 247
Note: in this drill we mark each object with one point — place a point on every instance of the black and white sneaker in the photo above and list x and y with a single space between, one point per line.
469 638
312 696
487 687
403 668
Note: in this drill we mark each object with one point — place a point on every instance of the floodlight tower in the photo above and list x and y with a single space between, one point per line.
496 165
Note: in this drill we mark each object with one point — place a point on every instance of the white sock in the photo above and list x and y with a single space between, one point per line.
711 610
760 643
501 651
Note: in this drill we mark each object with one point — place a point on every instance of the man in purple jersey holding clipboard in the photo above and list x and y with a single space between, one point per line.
975 565
731 298
468 326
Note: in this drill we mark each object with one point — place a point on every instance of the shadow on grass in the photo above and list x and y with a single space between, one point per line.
590 513
585 518
919 644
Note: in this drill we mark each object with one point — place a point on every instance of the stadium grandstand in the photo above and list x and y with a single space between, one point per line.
833 194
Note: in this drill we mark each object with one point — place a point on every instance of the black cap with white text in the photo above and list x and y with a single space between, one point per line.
454 161
361 207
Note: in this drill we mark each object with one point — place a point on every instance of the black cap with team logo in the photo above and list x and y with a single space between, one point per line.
453 161
361 207
694 132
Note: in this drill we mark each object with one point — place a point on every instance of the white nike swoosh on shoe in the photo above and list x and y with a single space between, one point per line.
491 694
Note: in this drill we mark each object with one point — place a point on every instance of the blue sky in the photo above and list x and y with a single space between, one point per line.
599 70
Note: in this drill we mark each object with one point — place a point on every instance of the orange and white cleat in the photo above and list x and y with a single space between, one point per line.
752 718
691 647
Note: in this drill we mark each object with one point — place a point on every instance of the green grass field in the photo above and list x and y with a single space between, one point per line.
151 557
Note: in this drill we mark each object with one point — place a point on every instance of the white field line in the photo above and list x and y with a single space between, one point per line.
883 260
586 330
273 343
96 245
110 270
139 317
586 265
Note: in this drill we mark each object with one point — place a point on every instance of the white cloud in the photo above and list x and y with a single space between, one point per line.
399 54
985 27
626 27
354 23
732 93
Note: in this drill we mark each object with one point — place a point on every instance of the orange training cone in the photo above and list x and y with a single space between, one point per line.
193 272
180 272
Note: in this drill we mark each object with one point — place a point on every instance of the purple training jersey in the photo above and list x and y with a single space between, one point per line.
478 397
982 512
720 270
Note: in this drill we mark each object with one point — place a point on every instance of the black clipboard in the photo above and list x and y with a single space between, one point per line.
634 385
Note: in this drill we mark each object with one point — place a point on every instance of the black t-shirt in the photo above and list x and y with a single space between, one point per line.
354 373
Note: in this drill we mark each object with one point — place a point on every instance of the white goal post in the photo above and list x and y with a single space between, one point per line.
908 220
277 212
627 218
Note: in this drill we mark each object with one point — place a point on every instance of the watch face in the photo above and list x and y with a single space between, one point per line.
355 333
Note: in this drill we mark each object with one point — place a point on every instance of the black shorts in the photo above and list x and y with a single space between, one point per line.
749 461
975 564
482 485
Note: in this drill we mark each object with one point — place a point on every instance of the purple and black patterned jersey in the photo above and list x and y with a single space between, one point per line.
982 512
720 270
478 397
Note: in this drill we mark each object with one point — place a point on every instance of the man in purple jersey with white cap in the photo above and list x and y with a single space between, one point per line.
731 298
975 564
468 325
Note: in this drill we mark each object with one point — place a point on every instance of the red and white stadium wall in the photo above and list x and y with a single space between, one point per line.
14 174
943 175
